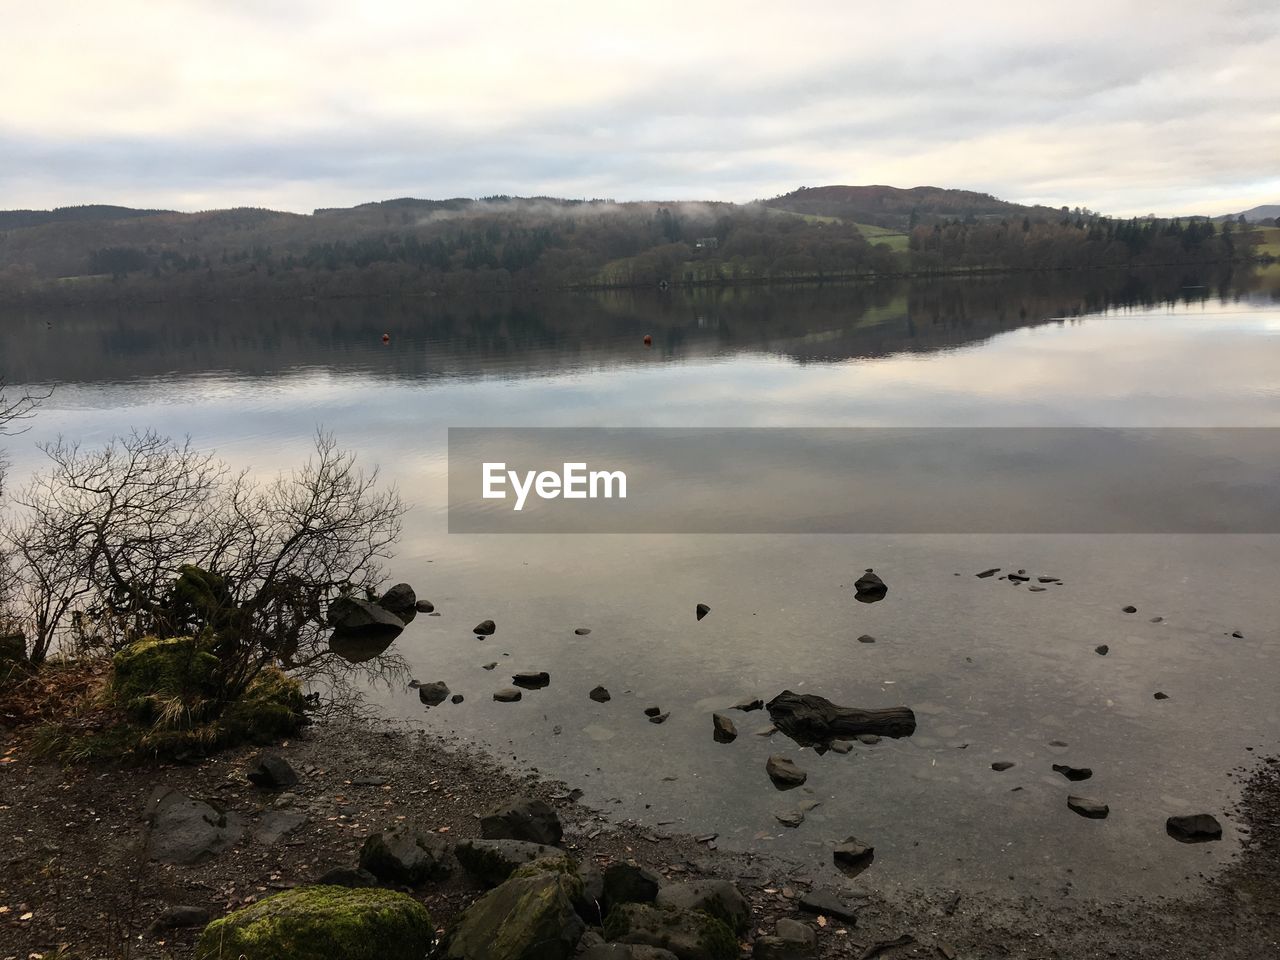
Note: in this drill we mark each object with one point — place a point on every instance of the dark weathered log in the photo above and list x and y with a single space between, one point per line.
810 720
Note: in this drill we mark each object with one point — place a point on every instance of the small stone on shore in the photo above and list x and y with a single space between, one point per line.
784 773
507 695
723 729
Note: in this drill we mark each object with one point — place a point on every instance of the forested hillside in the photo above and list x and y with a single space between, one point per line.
423 247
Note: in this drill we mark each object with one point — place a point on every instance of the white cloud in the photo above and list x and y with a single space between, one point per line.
1119 106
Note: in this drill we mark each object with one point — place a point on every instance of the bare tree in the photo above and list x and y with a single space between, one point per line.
147 537
13 411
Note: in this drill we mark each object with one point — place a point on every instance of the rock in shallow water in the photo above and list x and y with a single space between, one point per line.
1086 807
1197 828
784 773
702 610
507 695
723 729
1073 773
401 601
600 695
532 680
1001 766
485 628
433 694
869 588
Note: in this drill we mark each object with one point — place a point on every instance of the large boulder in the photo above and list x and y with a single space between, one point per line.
401 602
406 855
690 935
492 861
322 923
183 830
720 898
525 818
361 630
528 917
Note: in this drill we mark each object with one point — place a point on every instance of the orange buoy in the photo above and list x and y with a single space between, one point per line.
648 340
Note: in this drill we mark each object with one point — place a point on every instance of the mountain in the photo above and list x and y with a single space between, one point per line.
895 207
1267 211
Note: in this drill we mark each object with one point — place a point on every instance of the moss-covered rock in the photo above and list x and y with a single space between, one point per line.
719 898
322 923
524 918
689 934
272 708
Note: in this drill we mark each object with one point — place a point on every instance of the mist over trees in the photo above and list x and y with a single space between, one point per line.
419 247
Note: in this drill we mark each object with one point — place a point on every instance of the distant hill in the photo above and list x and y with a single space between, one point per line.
1267 211
895 206
15 219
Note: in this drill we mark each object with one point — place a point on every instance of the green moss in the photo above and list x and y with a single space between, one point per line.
691 934
167 694
271 708
560 865
322 923
524 918
150 675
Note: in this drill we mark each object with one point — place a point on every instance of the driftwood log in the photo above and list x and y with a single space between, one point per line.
809 719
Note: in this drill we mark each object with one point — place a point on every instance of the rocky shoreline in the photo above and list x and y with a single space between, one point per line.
79 871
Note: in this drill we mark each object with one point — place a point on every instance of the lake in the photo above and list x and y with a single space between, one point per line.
995 672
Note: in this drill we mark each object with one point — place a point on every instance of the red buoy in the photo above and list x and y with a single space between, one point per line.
386 338
648 340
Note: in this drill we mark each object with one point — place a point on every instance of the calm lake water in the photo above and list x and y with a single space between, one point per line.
994 672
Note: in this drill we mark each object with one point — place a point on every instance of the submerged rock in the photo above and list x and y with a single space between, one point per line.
1073 773
433 694
320 923
809 719
1130 609
784 773
1197 828
746 706
525 818
723 729
1086 807
866 638
869 588
531 680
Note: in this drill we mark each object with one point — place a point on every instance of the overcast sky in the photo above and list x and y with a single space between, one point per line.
1123 106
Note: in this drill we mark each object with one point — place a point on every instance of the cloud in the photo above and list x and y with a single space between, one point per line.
297 105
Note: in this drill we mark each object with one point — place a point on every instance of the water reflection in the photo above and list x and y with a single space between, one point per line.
993 673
